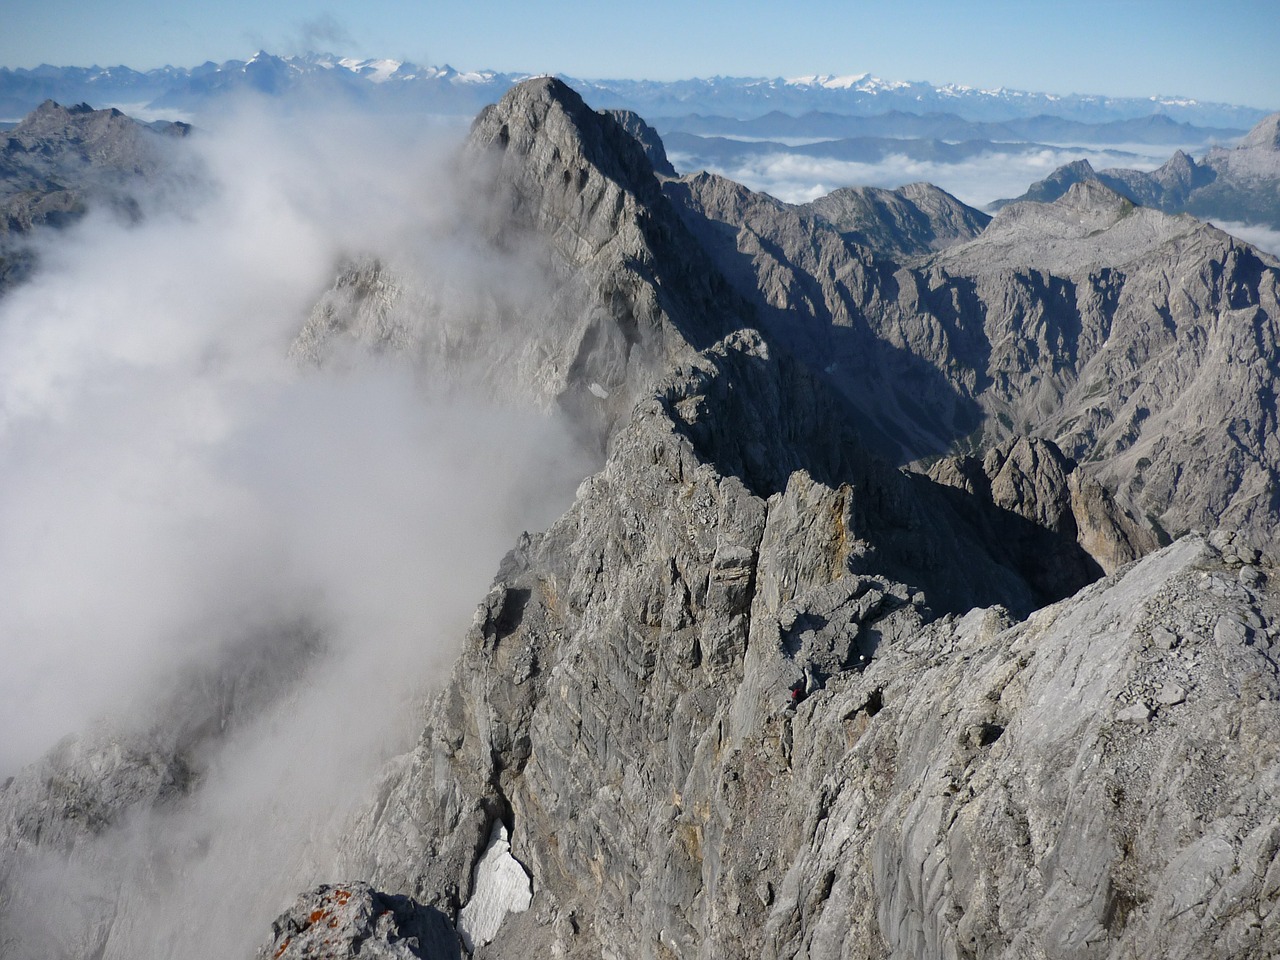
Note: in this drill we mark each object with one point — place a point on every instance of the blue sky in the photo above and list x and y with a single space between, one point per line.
1222 51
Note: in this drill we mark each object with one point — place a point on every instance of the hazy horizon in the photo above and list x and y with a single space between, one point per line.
1136 49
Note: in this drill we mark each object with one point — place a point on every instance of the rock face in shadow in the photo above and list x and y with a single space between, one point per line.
350 920
1072 529
1139 343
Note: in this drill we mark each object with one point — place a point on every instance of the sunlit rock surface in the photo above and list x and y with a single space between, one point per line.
759 692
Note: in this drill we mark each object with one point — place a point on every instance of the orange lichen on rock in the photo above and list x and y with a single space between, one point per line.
317 915
283 947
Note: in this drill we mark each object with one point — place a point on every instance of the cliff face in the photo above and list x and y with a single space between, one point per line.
967 786
1138 342
759 692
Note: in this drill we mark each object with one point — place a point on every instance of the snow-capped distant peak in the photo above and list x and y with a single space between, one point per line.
376 71
861 82
830 81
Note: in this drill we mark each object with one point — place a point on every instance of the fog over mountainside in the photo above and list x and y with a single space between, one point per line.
865 577
215 555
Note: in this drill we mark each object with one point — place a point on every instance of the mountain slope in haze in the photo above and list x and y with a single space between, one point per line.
1241 184
1155 129
61 160
722 151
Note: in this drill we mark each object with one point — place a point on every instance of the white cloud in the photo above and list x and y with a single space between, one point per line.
1264 238
798 178
177 496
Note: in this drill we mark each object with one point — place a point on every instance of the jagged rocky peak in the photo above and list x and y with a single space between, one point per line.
654 149
1056 184
1180 168
1089 227
580 170
623 289
1265 135
912 220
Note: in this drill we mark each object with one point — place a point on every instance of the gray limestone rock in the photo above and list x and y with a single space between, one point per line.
1240 184
910 221
341 921
1097 778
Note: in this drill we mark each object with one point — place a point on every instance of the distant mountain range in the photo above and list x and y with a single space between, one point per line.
1241 184
722 152
395 85
1156 128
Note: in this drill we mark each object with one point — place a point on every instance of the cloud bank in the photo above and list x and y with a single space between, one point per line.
1264 238
192 521
796 178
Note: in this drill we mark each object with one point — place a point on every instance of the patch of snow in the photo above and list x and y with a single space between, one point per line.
501 886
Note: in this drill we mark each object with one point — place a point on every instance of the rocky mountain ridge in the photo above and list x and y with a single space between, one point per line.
1238 184
1064 320
761 693
60 160
676 589
907 222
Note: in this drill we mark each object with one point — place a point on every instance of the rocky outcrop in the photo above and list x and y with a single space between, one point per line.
648 137
906 222
342 921
1240 184
60 160
1030 478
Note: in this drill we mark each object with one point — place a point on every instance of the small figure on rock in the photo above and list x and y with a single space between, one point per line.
798 693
